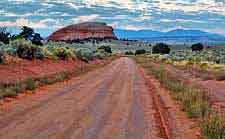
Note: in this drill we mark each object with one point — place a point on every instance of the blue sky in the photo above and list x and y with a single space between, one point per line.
46 16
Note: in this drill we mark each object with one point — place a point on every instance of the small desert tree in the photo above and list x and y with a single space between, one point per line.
197 47
161 48
37 39
27 33
4 35
140 51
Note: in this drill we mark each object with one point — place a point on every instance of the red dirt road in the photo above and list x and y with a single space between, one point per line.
113 102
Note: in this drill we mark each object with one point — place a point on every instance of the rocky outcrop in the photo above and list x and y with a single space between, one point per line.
83 31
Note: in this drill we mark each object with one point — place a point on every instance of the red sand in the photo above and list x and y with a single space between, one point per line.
37 68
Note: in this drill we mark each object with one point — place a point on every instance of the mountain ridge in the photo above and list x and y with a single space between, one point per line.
122 33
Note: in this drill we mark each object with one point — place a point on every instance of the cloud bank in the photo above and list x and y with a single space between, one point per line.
162 15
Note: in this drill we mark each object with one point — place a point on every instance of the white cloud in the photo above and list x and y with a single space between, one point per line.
128 14
72 5
143 18
216 30
24 22
130 26
86 18
197 6
181 20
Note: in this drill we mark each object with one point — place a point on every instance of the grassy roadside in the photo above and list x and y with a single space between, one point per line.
30 84
193 100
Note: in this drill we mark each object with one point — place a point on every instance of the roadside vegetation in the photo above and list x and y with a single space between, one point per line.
194 101
210 62
29 45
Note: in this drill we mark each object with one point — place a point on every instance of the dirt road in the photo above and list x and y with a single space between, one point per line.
113 102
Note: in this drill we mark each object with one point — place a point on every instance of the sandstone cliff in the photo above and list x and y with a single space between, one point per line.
83 31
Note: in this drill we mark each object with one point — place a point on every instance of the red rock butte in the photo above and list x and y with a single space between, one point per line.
83 31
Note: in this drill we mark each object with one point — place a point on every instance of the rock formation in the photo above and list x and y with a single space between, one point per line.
83 31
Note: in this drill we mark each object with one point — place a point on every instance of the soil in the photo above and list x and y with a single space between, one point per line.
117 101
214 89
37 68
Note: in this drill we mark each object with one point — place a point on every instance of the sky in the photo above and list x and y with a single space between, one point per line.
46 16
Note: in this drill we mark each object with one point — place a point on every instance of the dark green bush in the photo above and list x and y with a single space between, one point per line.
84 54
30 84
37 39
4 35
197 47
2 57
107 49
19 87
129 53
161 48
140 51
7 92
99 55
26 50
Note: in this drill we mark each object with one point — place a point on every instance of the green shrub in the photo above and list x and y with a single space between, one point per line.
107 49
8 92
99 55
62 76
161 48
63 53
48 53
84 54
30 84
140 51
10 51
2 57
129 53
25 49
46 80
19 87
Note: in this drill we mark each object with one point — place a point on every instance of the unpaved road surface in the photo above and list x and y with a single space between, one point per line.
113 102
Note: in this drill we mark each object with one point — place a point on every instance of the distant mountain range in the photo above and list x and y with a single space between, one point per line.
174 36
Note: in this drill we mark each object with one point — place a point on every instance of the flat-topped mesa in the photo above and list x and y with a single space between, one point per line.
83 31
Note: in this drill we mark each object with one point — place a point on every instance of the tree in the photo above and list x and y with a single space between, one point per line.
37 39
197 47
4 35
27 33
140 51
161 48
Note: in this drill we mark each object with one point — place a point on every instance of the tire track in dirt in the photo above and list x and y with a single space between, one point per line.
76 113
113 124
113 102
79 83
103 94
18 118
174 122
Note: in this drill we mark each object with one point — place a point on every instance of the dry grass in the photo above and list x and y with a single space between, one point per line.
12 89
194 101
